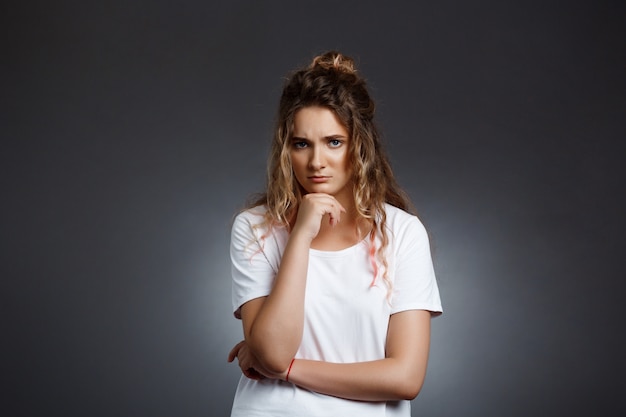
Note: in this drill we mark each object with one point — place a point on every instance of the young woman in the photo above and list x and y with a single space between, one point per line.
332 277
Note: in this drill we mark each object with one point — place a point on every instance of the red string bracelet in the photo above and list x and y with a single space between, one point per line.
289 370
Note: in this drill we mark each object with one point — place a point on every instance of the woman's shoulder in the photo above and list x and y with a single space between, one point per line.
397 214
249 219
253 220
255 214
398 219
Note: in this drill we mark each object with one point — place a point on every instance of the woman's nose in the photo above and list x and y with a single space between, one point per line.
316 160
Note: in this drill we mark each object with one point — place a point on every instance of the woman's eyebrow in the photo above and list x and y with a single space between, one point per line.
329 137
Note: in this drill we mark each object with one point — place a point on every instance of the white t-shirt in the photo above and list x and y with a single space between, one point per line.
346 318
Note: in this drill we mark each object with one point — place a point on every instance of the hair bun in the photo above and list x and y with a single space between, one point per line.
333 60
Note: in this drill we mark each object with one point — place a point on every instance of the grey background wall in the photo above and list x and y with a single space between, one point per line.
133 131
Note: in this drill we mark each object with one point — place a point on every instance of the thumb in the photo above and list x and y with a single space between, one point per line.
235 350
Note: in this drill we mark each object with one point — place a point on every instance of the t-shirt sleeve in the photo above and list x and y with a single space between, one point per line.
251 270
414 285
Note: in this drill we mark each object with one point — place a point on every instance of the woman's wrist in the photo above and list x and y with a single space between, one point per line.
299 236
289 370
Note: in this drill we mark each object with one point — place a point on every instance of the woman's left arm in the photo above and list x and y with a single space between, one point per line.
399 376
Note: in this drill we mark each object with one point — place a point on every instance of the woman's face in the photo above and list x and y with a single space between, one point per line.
319 153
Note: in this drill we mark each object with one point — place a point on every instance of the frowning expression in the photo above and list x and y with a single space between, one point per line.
319 152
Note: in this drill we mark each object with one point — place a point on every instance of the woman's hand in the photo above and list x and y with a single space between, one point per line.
312 209
249 365
246 360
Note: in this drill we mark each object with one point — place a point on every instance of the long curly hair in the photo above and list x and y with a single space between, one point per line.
331 81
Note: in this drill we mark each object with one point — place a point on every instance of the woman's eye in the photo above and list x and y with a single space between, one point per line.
334 143
299 145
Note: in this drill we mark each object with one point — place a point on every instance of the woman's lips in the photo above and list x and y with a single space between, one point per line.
319 179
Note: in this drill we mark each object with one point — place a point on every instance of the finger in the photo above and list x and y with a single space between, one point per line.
337 208
235 350
335 214
245 360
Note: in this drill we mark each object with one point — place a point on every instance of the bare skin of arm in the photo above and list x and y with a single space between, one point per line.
273 325
398 376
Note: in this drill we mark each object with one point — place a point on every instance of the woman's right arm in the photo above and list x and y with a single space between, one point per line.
273 325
